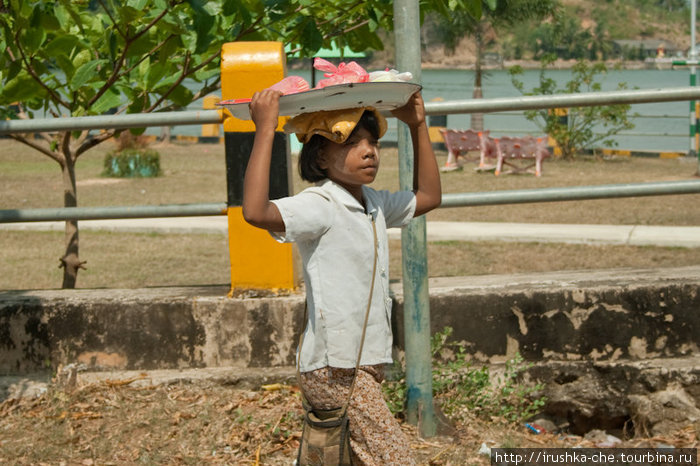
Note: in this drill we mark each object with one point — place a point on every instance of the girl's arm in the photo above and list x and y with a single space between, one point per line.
257 208
426 176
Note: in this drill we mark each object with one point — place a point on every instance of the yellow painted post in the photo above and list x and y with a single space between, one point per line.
563 117
436 123
210 131
257 260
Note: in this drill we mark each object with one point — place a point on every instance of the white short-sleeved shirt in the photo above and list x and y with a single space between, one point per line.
334 236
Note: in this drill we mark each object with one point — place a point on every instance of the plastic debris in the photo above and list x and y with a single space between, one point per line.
344 73
602 439
291 85
535 428
389 76
485 450
276 386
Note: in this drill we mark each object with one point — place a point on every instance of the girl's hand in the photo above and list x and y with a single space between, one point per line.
264 109
413 113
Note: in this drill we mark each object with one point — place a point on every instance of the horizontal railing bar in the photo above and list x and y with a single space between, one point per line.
131 120
520 114
584 99
197 117
111 212
570 193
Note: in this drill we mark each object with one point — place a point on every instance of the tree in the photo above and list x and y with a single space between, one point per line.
584 126
79 57
492 14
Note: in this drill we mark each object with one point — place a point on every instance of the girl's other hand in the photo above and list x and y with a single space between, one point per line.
413 113
264 109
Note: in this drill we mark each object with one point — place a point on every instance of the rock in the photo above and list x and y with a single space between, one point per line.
663 412
654 396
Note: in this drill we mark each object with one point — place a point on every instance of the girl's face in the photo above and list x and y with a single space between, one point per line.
352 163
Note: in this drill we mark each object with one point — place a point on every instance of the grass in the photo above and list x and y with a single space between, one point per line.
194 173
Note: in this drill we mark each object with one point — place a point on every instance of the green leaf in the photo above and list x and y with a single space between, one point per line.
65 65
32 39
311 37
61 45
181 96
13 70
84 73
21 88
138 4
62 16
155 73
110 99
81 58
203 25
49 22
128 14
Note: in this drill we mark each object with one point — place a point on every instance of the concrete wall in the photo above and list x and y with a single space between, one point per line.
598 315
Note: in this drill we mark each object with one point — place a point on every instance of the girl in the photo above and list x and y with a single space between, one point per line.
332 224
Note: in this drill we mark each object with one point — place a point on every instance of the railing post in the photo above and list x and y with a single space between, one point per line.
257 260
413 244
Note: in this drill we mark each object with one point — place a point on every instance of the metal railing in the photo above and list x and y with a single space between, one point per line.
432 108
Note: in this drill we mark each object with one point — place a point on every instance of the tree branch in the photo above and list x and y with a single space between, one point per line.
147 55
114 22
92 142
57 157
57 98
65 147
151 24
179 80
116 75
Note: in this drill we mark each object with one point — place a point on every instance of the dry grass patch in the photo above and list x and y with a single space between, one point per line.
113 423
195 173
115 260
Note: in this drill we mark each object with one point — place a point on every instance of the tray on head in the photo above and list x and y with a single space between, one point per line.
380 95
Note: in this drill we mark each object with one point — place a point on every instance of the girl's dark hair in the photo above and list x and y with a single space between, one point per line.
309 169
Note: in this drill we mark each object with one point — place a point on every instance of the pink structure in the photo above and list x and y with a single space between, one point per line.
521 155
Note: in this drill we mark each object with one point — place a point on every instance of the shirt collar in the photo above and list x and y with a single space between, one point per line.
347 199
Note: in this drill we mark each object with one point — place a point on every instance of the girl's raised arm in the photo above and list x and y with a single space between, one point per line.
426 175
257 208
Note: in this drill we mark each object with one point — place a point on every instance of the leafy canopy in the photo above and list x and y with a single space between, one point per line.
82 57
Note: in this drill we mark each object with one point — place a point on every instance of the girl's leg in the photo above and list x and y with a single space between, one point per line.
375 435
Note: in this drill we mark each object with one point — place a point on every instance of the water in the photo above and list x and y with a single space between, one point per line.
658 126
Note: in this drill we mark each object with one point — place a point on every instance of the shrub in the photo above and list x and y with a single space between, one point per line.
464 391
132 163
584 127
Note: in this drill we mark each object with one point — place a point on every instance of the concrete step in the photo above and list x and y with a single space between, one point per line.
576 316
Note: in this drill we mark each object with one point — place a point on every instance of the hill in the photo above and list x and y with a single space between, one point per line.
589 28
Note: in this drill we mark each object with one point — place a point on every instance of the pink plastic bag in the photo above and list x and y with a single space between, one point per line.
291 85
341 74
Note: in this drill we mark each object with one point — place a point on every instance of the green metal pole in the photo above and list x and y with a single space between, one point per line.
692 149
693 56
419 402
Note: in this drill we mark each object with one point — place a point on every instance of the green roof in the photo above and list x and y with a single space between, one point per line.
333 52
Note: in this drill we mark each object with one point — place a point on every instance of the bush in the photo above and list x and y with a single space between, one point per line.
465 391
132 163
584 127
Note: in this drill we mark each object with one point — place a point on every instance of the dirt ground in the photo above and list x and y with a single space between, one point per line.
133 420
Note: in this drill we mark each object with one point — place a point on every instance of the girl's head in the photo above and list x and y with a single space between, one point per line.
333 133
